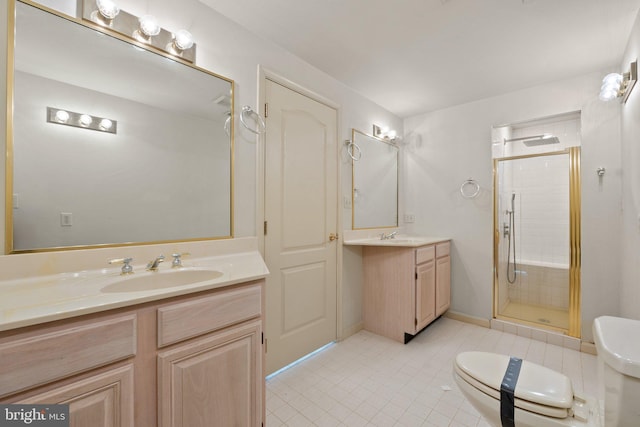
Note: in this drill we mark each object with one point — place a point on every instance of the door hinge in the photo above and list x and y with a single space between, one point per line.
265 228
266 110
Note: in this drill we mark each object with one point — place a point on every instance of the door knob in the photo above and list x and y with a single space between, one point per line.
333 237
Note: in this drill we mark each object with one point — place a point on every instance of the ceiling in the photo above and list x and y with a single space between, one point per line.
416 56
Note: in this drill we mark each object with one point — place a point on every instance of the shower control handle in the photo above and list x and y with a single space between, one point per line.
505 229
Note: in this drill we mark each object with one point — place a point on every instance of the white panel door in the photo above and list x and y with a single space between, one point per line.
301 212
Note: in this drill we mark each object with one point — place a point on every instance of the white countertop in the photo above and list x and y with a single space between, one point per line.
399 240
39 299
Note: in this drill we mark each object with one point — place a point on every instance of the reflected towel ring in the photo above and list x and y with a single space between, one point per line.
353 150
248 111
227 124
470 189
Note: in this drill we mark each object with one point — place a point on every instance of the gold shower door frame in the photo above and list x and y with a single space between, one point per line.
574 240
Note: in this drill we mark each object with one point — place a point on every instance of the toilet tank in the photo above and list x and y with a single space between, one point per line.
618 344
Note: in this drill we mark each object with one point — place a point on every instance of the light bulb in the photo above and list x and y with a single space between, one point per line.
149 26
108 8
105 124
612 78
610 86
183 40
608 95
392 134
85 120
62 116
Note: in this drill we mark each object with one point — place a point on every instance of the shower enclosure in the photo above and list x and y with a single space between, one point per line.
537 237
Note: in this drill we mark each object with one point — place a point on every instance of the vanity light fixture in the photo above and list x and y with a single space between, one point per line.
385 133
616 85
59 116
107 8
144 29
149 26
183 40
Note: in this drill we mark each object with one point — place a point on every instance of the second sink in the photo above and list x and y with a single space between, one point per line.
160 280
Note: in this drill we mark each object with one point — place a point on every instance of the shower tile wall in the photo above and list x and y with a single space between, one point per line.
541 185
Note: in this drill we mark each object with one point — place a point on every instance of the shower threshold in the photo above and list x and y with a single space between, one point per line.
546 317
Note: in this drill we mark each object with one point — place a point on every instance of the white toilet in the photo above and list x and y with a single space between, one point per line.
545 398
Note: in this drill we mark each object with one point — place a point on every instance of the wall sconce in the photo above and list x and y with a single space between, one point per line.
144 29
385 133
80 120
616 85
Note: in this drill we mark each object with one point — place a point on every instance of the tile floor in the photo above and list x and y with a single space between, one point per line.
369 380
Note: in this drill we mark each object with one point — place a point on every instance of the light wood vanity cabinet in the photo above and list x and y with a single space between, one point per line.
216 378
194 360
405 288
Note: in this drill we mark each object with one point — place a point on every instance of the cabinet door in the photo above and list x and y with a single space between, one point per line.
443 284
213 380
103 400
425 294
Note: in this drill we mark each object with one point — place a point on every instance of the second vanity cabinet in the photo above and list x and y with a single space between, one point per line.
192 360
405 288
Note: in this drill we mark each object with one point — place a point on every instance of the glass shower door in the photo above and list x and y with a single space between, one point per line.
533 240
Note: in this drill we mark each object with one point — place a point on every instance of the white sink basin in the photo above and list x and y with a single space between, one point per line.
149 281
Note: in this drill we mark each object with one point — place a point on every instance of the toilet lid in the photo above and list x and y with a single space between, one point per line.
538 389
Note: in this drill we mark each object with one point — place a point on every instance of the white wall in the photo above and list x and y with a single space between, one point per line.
446 147
630 291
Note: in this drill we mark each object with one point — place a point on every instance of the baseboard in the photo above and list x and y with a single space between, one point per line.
479 321
588 347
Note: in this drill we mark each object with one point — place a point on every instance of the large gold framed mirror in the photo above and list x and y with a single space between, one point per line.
165 175
374 193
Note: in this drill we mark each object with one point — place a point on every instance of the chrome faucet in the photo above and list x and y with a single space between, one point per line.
177 259
126 264
153 265
388 236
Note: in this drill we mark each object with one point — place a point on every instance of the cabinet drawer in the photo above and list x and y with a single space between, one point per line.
425 254
177 322
47 356
442 249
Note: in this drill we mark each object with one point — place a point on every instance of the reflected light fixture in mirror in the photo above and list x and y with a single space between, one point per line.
384 132
145 29
59 116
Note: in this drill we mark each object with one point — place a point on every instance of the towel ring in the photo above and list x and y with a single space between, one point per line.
353 150
248 111
470 189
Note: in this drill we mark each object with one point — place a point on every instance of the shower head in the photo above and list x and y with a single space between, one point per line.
543 140
532 141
